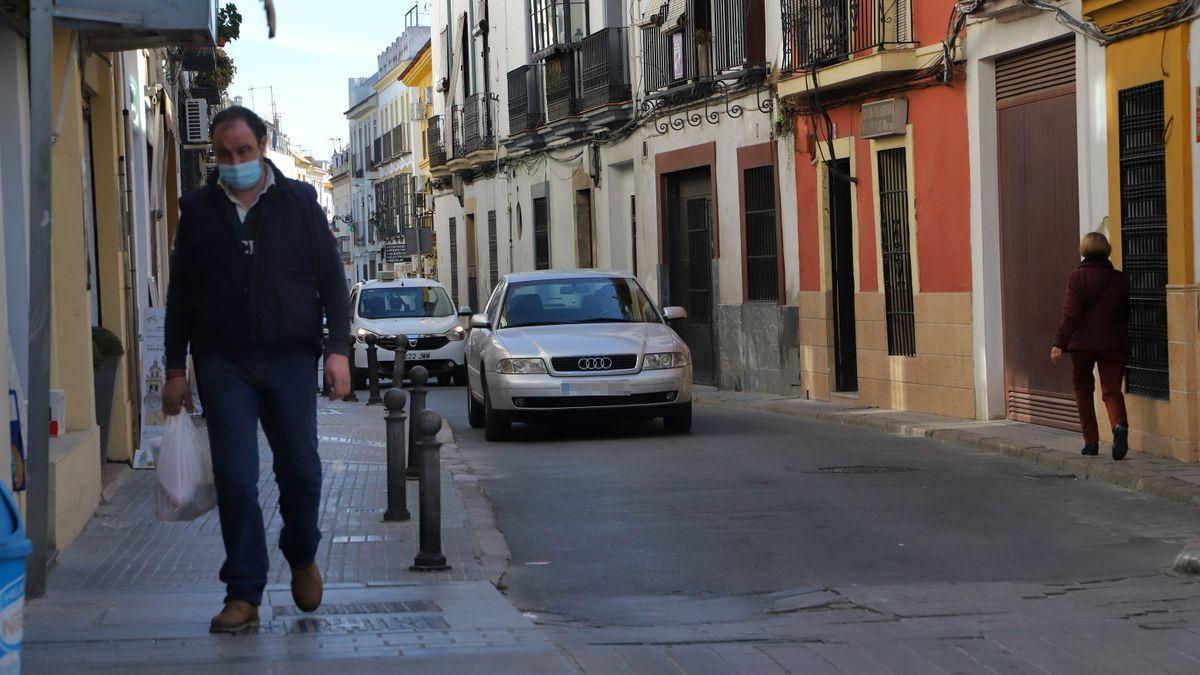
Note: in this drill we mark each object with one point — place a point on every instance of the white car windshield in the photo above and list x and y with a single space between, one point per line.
409 302
573 301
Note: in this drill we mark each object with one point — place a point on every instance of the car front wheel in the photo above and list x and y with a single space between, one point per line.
475 412
496 426
679 421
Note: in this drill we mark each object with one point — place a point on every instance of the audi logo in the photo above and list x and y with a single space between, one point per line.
596 363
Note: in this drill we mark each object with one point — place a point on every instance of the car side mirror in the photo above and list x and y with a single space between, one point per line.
465 311
480 321
674 313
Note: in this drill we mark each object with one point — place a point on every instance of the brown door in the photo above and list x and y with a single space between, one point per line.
1039 227
583 229
689 247
472 265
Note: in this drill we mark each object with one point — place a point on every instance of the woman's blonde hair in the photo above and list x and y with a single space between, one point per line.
1094 244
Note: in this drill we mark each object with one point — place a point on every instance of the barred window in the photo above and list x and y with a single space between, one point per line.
541 234
897 260
762 257
454 259
493 252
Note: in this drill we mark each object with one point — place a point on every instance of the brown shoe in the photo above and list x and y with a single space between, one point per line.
307 587
238 616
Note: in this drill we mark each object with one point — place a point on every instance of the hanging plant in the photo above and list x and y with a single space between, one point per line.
221 76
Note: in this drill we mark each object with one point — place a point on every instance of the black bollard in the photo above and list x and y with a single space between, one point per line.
431 558
397 489
373 368
351 396
419 377
398 364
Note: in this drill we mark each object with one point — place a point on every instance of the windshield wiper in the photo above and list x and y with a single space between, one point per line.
606 321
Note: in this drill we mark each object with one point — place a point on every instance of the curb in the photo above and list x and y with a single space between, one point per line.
494 554
1084 468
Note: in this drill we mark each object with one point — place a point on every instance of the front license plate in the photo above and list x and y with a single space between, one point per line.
416 356
595 388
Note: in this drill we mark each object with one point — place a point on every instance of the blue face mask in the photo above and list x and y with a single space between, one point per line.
241 176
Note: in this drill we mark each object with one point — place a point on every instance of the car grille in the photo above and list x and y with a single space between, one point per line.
594 364
549 402
424 343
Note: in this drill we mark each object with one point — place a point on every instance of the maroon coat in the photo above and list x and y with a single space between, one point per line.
1102 327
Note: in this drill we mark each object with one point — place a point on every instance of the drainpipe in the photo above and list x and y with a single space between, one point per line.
133 357
41 55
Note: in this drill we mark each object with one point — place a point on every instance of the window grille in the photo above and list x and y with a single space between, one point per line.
541 234
897 260
762 261
1144 236
493 254
454 259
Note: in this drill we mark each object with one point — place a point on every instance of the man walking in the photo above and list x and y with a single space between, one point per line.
253 267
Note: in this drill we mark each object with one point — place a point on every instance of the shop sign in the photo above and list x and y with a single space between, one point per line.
884 118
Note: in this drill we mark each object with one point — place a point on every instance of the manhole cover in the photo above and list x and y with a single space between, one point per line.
858 468
409 607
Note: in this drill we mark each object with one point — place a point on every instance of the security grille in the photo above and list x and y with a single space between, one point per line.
541 234
897 261
574 364
454 259
493 255
762 258
1144 236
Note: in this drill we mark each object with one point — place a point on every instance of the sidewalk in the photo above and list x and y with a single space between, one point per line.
135 594
1052 448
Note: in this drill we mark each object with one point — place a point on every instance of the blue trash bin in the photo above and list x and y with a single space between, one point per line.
14 549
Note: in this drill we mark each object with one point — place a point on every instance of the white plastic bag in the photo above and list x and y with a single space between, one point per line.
183 481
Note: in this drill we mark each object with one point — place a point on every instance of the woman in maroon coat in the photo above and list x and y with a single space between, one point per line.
1092 329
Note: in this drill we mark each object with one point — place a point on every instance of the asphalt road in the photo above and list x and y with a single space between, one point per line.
750 504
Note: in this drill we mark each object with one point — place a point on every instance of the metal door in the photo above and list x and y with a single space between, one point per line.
1039 227
841 243
689 219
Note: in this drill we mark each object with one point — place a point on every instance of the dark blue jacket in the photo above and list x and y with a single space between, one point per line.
221 299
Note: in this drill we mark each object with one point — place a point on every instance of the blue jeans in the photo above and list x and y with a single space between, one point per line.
275 387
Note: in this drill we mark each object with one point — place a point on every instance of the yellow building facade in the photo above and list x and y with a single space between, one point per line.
1151 184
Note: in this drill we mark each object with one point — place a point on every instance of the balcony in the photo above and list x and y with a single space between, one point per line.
458 142
525 110
715 40
120 25
479 122
853 43
604 68
558 26
562 87
437 146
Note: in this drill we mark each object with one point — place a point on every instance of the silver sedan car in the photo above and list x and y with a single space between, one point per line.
581 343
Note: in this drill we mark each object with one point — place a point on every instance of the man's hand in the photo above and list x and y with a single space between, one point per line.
1056 354
337 375
177 394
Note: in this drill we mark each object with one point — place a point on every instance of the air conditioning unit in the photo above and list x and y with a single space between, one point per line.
195 121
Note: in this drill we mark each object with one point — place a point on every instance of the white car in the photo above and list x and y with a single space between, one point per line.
575 344
416 313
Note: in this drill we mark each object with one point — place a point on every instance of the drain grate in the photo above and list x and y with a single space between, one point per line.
366 624
1049 476
859 468
345 608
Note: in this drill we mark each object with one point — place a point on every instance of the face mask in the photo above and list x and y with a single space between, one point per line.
241 176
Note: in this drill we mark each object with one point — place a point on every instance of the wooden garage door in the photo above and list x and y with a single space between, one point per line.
1039 225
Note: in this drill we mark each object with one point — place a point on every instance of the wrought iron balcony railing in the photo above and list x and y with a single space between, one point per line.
562 86
818 33
458 143
525 109
479 122
724 37
437 144
604 68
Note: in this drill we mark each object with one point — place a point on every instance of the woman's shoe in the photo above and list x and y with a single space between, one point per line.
1120 441
1090 450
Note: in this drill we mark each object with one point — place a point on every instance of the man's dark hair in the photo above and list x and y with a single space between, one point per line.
234 113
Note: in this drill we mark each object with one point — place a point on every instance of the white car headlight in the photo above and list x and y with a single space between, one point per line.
362 333
457 333
665 360
521 367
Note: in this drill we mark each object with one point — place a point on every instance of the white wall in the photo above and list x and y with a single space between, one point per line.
986 41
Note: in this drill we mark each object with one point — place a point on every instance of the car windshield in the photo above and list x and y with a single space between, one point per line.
409 302
573 301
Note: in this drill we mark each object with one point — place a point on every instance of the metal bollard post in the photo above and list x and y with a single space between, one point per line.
373 368
419 377
397 489
351 396
398 364
431 558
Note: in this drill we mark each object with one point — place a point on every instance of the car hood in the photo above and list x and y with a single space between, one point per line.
588 339
410 326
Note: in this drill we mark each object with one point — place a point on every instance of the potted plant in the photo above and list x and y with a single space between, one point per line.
106 356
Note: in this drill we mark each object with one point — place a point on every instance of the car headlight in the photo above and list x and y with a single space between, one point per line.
362 333
665 360
457 333
521 367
